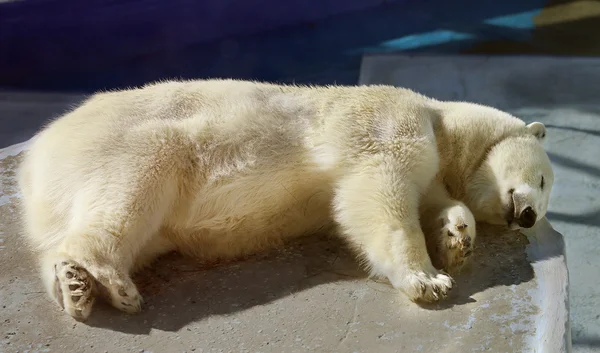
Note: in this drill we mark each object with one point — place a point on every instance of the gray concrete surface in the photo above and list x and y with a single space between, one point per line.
22 114
309 297
564 94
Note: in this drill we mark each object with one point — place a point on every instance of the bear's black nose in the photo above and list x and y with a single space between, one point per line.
527 218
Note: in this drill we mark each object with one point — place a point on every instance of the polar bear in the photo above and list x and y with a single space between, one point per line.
221 168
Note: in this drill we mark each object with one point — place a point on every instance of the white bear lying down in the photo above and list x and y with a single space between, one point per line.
222 168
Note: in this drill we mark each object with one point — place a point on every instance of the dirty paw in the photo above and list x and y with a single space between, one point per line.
459 247
455 239
73 289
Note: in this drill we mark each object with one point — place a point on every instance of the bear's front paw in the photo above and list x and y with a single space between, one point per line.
428 286
452 244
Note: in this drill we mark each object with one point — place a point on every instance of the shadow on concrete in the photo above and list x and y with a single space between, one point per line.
535 86
569 163
587 341
499 259
574 129
547 86
591 218
178 291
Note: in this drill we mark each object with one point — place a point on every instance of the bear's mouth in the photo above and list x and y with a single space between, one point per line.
510 209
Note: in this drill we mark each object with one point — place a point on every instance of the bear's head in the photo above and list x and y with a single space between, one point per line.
512 186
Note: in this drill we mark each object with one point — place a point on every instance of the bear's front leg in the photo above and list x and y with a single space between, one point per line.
449 227
377 207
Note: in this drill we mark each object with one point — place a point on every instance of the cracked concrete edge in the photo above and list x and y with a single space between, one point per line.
546 251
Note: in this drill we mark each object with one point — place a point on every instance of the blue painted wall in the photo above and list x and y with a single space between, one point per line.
41 35
87 45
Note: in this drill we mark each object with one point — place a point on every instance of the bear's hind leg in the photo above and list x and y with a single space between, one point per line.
92 263
115 236
70 284
75 284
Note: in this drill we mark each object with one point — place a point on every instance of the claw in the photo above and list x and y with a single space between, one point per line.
74 283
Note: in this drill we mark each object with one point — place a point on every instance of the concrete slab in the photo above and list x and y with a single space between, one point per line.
560 92
22 114
309 297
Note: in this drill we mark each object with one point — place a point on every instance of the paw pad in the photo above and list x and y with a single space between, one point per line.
73 289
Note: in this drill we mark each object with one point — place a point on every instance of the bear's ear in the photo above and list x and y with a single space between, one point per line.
537 129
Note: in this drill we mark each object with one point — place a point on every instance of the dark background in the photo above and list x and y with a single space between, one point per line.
89 45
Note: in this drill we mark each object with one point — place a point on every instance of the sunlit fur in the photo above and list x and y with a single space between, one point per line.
222 168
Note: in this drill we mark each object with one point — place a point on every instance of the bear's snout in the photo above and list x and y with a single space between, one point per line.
527 217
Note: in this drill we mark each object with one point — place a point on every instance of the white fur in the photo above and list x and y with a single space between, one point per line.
222 168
